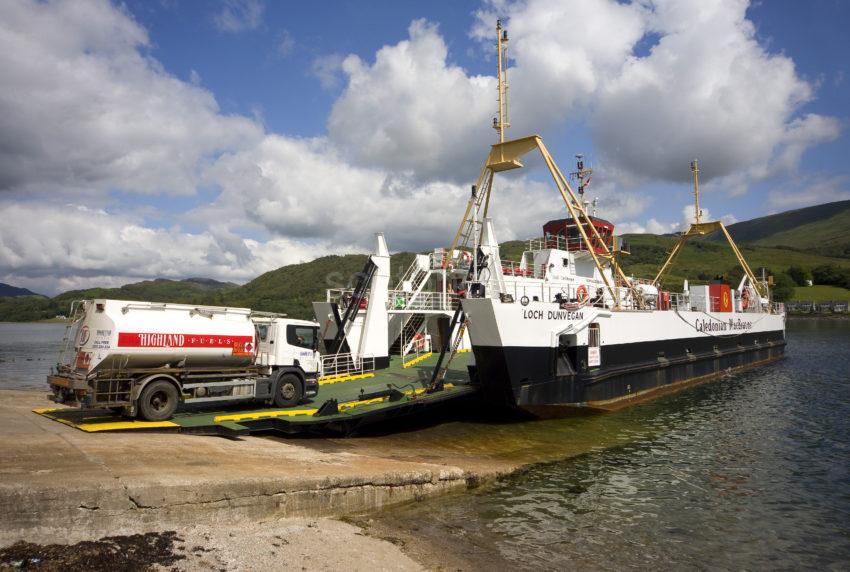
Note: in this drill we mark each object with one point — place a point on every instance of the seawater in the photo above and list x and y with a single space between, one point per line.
749 472
27 352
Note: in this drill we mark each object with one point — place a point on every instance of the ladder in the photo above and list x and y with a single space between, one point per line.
450 346
415 274
410 329
480 196
70 333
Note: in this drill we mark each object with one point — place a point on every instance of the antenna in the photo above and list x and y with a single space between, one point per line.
580 174
500 123
695 171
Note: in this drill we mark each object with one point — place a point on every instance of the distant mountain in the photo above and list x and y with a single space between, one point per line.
9 291
822 229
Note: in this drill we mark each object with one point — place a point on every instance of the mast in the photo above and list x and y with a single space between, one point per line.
699 228
580 174
500 123
695 171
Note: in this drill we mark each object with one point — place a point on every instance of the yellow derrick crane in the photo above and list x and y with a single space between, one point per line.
699 228
505 156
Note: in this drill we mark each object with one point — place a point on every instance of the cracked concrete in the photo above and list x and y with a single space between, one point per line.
54 478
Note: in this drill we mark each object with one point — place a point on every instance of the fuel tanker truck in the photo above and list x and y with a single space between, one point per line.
144 358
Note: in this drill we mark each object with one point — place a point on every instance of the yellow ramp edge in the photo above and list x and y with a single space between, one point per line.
338 378
95 424
345 406
415 361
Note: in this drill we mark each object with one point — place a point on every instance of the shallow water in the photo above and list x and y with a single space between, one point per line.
752 471
27 352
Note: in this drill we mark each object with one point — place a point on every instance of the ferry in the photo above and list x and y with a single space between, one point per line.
564 327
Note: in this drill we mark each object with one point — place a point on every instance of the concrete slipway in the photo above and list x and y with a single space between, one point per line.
55 478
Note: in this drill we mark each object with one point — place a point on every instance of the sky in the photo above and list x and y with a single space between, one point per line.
226 138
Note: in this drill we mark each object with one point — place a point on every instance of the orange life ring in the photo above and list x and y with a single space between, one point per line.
581 294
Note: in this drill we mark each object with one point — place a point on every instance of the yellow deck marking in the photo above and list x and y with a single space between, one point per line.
344 406
338 378
415 361
262 415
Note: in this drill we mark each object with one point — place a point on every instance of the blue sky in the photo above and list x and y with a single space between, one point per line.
226 138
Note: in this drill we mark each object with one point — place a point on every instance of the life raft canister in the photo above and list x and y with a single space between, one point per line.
581 294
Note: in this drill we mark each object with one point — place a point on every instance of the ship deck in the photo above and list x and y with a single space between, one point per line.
354 406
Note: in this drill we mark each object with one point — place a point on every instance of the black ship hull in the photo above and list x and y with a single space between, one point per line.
548 382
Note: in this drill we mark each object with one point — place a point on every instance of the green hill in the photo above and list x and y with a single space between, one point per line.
188 291
815 239
700 260
822 229
292 289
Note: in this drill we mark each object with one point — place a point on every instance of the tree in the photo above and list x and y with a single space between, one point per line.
800 275
783 287
831 275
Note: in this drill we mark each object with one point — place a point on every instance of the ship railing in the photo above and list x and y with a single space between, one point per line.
512 268
426 301
346 364
680 301
560 242
337 294
561 293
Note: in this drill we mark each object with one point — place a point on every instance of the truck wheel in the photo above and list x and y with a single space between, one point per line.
288 390
158 401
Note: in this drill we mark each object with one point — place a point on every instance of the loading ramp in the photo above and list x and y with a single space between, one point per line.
340 408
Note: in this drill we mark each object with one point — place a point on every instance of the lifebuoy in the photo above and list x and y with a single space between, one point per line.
581 294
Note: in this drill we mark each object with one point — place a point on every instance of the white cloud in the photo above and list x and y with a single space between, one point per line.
85 109
327 69
82 109
304 188
812 191
706 89
54 248
412 111
563 53
236 16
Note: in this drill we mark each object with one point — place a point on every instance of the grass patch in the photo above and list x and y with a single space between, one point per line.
820 293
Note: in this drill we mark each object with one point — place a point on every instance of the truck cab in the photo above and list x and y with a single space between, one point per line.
287 342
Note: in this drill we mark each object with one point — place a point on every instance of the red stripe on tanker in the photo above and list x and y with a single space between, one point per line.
162 340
